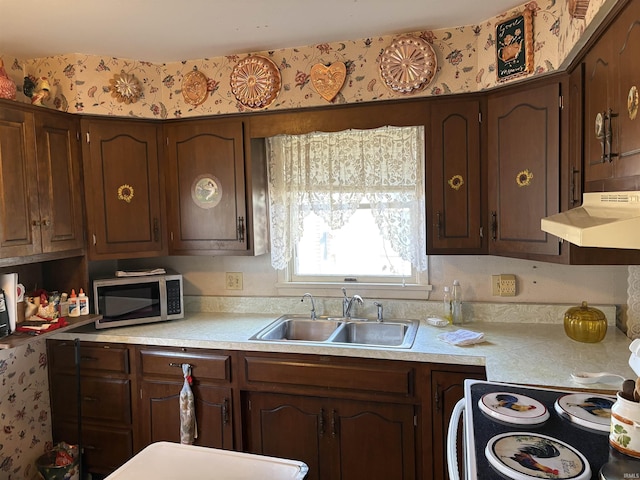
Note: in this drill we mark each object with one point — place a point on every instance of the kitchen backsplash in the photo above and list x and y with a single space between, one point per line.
473 312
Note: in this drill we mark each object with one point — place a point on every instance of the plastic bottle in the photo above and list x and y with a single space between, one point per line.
74 304
83 303
447 312
456 303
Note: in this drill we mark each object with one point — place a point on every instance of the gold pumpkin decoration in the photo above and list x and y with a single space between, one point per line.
585 324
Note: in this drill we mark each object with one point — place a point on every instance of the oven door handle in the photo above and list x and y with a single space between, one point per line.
452 440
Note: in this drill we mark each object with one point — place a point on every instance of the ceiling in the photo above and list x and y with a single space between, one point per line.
162 31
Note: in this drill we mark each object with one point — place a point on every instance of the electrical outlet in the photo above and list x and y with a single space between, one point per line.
233 281
503 285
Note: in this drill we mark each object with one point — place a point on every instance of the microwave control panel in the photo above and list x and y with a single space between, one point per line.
173 297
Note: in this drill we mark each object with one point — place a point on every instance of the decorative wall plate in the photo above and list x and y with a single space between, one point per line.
206 191
194 87
328 80
578 8
255 81
408 64
125 87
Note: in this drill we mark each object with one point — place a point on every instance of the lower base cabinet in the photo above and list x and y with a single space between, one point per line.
347 418
160 422
337 439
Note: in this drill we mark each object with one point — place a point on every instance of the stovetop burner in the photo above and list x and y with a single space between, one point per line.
511 408
589 410
590 444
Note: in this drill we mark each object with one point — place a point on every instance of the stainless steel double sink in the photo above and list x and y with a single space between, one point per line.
340 330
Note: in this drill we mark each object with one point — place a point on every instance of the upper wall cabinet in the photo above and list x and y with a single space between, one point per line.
455 178
40 185
612 123
217 189
59 182
123 189
524 169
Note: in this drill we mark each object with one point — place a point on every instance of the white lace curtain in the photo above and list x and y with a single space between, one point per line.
331 173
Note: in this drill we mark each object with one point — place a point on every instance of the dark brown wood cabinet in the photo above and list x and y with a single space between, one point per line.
345 418
59 182
217 189
524 169
447 387
335 438
455 178
160 382
99 414
124 189
612 131
40 184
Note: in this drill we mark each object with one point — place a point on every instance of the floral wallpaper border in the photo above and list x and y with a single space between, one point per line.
466 63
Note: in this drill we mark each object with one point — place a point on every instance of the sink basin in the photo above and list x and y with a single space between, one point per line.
300 329
339 330
392 333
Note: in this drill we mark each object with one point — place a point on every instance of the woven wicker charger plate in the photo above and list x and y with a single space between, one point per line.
255 81
408 64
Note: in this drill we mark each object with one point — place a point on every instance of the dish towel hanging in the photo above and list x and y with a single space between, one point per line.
188 427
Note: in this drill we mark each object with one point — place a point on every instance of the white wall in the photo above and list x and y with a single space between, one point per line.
536 281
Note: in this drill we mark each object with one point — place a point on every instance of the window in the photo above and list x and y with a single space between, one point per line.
348 206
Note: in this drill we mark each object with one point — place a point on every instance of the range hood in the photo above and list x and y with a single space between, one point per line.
605 220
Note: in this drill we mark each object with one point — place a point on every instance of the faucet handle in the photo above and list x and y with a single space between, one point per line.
380 315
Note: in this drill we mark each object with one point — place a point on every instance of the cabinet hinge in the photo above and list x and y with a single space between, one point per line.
88 138
77 135
249 405
167 140
415 420
94 239
561 102
481 233
479 117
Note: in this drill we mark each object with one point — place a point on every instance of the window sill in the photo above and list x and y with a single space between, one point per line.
371 290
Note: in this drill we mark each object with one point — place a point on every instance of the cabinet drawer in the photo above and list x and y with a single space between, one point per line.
94 357
167 363
331 372
102 399
105 449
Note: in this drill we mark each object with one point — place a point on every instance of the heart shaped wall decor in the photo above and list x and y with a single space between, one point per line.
328 80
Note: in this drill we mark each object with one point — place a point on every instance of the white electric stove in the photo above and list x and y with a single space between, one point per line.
525 433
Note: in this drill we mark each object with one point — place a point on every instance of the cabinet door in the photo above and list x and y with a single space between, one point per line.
455 180
336 438
524 169
625 63
375 441
19 213
123 189
290 426
599 95
161 414
59 182
207 184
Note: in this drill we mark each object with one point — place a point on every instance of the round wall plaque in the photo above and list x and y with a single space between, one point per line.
408 64
255 81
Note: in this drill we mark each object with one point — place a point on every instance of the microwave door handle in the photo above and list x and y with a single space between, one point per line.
163 299
452 440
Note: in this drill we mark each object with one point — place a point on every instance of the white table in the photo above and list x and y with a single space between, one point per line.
171 461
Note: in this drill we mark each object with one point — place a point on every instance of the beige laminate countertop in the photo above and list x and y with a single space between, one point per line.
534 354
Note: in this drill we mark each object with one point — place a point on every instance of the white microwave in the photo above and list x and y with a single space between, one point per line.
123 301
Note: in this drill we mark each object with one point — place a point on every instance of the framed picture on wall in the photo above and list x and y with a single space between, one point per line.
514 46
